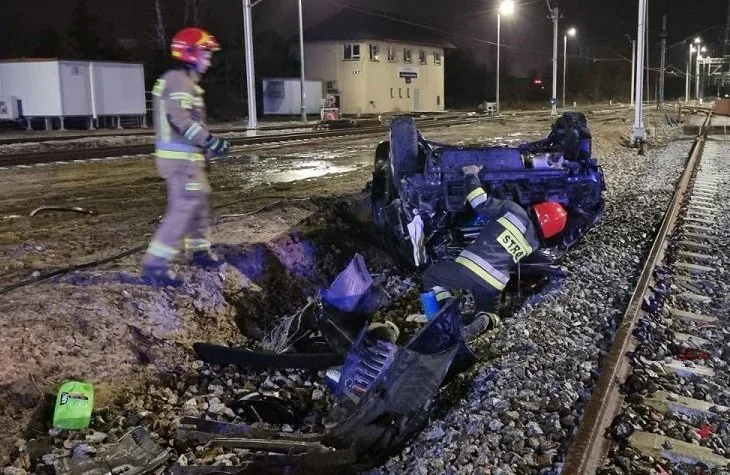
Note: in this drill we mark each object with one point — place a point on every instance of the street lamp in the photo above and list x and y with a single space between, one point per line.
687 80
571 32
699 50
507 7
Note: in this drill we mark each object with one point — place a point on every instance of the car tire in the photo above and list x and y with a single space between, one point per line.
382 194
403 147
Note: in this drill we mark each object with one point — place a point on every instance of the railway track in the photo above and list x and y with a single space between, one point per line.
368 122
52 156
369 127
660 404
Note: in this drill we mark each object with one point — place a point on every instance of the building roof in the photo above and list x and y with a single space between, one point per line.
352 25
27 60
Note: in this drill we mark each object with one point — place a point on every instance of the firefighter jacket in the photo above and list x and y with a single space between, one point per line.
508 237
179 117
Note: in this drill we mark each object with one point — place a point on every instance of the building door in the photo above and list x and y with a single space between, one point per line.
416 100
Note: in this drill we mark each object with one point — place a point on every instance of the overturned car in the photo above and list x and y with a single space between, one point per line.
418 190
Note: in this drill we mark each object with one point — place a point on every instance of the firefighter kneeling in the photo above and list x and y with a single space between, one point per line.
484 267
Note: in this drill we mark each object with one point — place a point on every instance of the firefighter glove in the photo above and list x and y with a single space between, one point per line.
217 147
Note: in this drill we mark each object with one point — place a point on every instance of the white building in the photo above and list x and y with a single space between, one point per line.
373 64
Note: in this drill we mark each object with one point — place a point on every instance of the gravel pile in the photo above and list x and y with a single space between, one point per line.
214 392
521 411
658 344
206 391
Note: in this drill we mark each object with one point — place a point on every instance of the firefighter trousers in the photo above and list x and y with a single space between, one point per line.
188 211
453 276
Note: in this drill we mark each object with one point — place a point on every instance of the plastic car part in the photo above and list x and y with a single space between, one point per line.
303 453
218 354
385 391
259 408
346 305
135 453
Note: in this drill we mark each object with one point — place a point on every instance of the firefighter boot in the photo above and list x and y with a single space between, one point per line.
207 260
483 322
160 277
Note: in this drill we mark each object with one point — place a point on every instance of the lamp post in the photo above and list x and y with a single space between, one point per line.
687 80
555 17
633 67
571 32
638 129
507 7
301 65
700 50
250 79
250 74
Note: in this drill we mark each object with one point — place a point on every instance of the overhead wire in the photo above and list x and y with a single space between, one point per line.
438 30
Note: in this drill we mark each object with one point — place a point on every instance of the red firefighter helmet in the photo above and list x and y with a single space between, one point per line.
188 42
551 217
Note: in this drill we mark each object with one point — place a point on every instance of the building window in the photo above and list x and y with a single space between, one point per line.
400 93
407 55
352 51
374 53
391 93
391 54
438 100
436 57
422 57
408 92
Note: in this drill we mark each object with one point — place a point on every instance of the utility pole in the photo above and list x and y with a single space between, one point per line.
633 70
688 76
250 79
727 38
554 16
697 74
662 67
301 62
647 69
638 135
496 95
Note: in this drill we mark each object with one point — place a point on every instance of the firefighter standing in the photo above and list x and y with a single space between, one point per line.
484 266
183 148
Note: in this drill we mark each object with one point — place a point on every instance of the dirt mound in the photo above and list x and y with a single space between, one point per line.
104 327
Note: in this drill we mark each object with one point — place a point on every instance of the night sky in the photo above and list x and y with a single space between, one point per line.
601 25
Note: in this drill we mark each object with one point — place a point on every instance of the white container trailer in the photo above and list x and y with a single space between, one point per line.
36 85
118 89
62 89
282 96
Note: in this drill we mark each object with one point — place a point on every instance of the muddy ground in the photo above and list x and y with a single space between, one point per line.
287 220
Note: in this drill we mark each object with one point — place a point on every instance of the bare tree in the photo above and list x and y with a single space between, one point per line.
195 10
160 36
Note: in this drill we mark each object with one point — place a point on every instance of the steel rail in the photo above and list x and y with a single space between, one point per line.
590 447
52 156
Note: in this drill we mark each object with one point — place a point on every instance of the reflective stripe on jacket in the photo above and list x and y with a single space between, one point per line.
179 117
508 237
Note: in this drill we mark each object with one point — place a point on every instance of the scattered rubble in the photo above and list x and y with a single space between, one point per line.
518 414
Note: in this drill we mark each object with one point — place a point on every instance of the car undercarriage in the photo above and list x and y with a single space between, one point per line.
419 185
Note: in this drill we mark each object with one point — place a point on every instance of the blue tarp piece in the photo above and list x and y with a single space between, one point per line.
351 289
